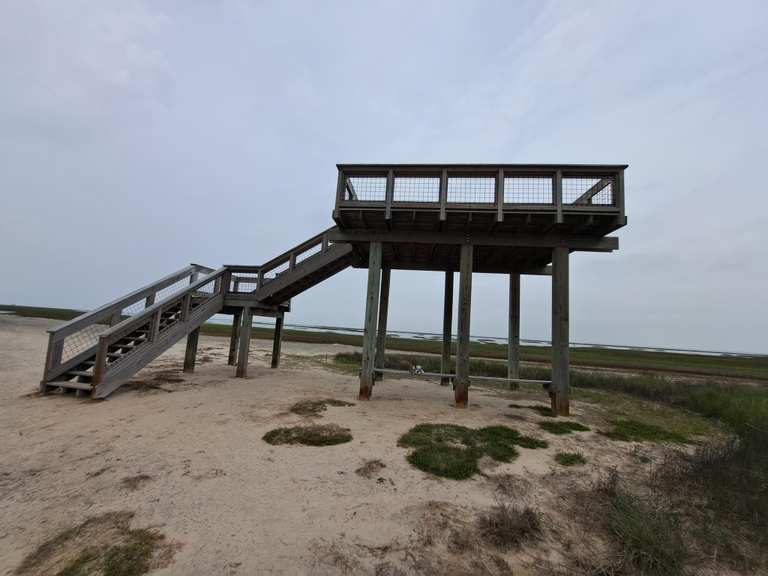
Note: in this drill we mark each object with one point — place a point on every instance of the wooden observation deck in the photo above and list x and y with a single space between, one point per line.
510 219
503 218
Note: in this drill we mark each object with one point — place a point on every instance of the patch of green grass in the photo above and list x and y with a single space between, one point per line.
634 431
540 408
452 451
570 458
133 557
561 427
620 406
445 461
315 407
315 435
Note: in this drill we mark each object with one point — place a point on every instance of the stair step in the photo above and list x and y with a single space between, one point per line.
72 385
80 373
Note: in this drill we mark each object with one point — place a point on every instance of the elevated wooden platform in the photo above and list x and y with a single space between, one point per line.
512 214
502 218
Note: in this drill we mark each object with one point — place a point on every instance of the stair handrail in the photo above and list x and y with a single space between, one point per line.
290 256
109 313
153 314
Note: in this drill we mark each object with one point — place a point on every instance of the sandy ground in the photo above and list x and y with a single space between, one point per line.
233 504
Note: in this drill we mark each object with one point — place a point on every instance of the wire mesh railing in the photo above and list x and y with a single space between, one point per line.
157 322
566 187
71 342
249 279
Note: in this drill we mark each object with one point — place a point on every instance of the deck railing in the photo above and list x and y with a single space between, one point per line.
74 341
249 279
508 187
160 321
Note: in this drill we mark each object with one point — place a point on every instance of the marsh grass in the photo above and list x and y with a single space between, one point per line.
634 431
508 526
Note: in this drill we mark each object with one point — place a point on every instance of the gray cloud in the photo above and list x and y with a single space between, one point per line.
123 126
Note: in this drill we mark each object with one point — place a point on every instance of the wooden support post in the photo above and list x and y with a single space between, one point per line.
191 352
513 342
371 312
461 382
560 387
245 343
381 336
234 338
277 340
445 361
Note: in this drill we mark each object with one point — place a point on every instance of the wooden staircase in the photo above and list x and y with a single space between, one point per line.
97 352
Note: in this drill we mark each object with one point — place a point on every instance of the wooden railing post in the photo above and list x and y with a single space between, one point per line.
53 354
292 261
557 193
155 325
443 194
500 195
389 195
339 193
100 366
225 282
619 192
186 303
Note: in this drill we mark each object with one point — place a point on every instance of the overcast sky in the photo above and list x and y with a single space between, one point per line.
136 137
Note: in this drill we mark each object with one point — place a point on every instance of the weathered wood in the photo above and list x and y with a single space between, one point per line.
461 383
245 343
445 360
277 341
586 197
588 244
127 367
557 192
190 355
389 195
381 335
306 274
443 194
513 339
371 313
234 338
104 312
499 193
560 389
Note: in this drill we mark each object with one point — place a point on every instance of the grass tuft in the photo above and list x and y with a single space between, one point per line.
570 458
634 431
104 545
561 427
315 407
542 409
506 526
452 451
648 534
316 435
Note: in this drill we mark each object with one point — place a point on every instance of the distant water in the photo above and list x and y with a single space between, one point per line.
492 339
